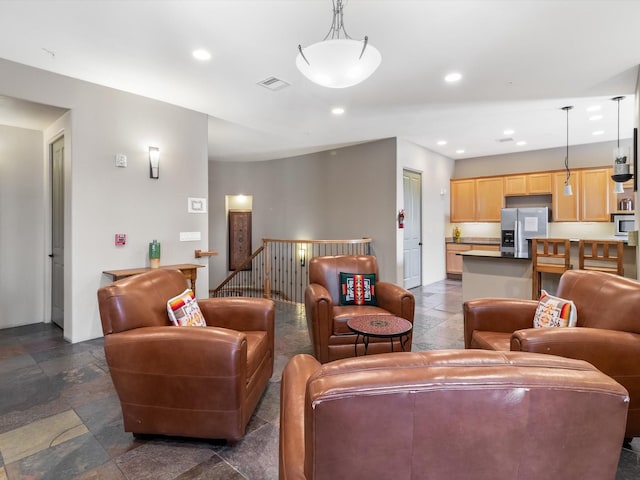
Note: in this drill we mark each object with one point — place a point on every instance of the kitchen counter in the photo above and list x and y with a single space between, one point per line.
501 255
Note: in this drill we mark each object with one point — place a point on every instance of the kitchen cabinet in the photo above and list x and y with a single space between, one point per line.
591 196
528 184
489 199
454 261
594 195
463 205
487 248
476 199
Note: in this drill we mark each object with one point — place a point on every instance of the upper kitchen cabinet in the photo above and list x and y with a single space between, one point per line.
489 199
528 184
476 199
566 208
463 200
590 199
594 195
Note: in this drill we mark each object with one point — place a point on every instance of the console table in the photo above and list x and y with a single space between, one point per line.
189 270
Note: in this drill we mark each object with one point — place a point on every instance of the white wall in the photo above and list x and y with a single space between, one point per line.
103 200
22 232
436 171
338 194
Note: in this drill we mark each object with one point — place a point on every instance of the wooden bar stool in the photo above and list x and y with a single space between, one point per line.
549 255
601 255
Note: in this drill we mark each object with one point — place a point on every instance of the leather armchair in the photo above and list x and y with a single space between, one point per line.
607 334
187 381
449 414
327 319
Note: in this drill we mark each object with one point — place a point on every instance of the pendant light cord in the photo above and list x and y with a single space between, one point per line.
566 158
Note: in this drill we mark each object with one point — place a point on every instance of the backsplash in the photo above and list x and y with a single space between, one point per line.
556 229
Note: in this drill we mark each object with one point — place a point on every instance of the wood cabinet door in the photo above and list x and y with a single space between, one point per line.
538 183
454 261
515 185
463 207
489 199
565 207
594 195
487 248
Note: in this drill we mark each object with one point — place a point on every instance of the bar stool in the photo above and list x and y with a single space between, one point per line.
601 255
554 257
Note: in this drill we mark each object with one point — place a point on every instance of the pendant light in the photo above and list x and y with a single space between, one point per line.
338 61
567 185
620 166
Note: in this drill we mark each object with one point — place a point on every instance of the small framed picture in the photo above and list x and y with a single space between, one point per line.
196 205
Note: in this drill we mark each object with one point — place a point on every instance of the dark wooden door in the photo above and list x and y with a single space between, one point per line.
239 239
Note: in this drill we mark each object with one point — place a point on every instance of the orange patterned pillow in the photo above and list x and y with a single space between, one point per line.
184 311
555 312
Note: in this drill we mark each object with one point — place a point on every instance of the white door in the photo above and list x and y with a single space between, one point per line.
412 190
57 232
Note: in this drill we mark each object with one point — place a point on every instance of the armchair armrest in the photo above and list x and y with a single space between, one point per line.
497 315
395 299
292 412
319 311
613 352
238 313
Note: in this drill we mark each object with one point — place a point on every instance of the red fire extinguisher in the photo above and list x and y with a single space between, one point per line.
401 219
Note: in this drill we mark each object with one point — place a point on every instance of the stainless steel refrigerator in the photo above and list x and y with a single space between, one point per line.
519 225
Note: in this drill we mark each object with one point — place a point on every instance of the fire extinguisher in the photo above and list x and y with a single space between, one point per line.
401 219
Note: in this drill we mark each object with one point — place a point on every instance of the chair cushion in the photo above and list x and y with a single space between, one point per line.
498 341
357 288
184 311
554 312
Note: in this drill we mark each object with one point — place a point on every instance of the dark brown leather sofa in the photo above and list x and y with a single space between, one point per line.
450 414
187 381
607 333
327 319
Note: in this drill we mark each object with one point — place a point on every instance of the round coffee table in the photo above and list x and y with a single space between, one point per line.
385 326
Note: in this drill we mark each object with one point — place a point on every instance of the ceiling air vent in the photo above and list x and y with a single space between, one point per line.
504 140
273 83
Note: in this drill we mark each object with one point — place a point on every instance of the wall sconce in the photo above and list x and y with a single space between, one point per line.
303 256
154 162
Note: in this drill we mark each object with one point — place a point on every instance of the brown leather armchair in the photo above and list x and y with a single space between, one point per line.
607 334
327 319
188 381
449 414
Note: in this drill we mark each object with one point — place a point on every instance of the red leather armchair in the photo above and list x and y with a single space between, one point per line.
327 319
607 334
186 381
449 414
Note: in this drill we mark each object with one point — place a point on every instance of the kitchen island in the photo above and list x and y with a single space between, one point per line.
494 274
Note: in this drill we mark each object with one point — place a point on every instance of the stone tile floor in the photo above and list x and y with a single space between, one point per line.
60 417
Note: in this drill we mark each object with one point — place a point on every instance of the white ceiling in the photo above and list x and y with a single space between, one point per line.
521 61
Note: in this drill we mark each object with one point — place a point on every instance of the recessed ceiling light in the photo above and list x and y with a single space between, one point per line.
509 132
337 110
442 142
595 117
593 108
521 143
201 54
460 151
453 77
598 132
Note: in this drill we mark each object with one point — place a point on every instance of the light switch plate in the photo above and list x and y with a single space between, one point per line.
190 236
121 160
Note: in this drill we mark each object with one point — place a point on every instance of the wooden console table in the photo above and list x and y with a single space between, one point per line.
189 270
